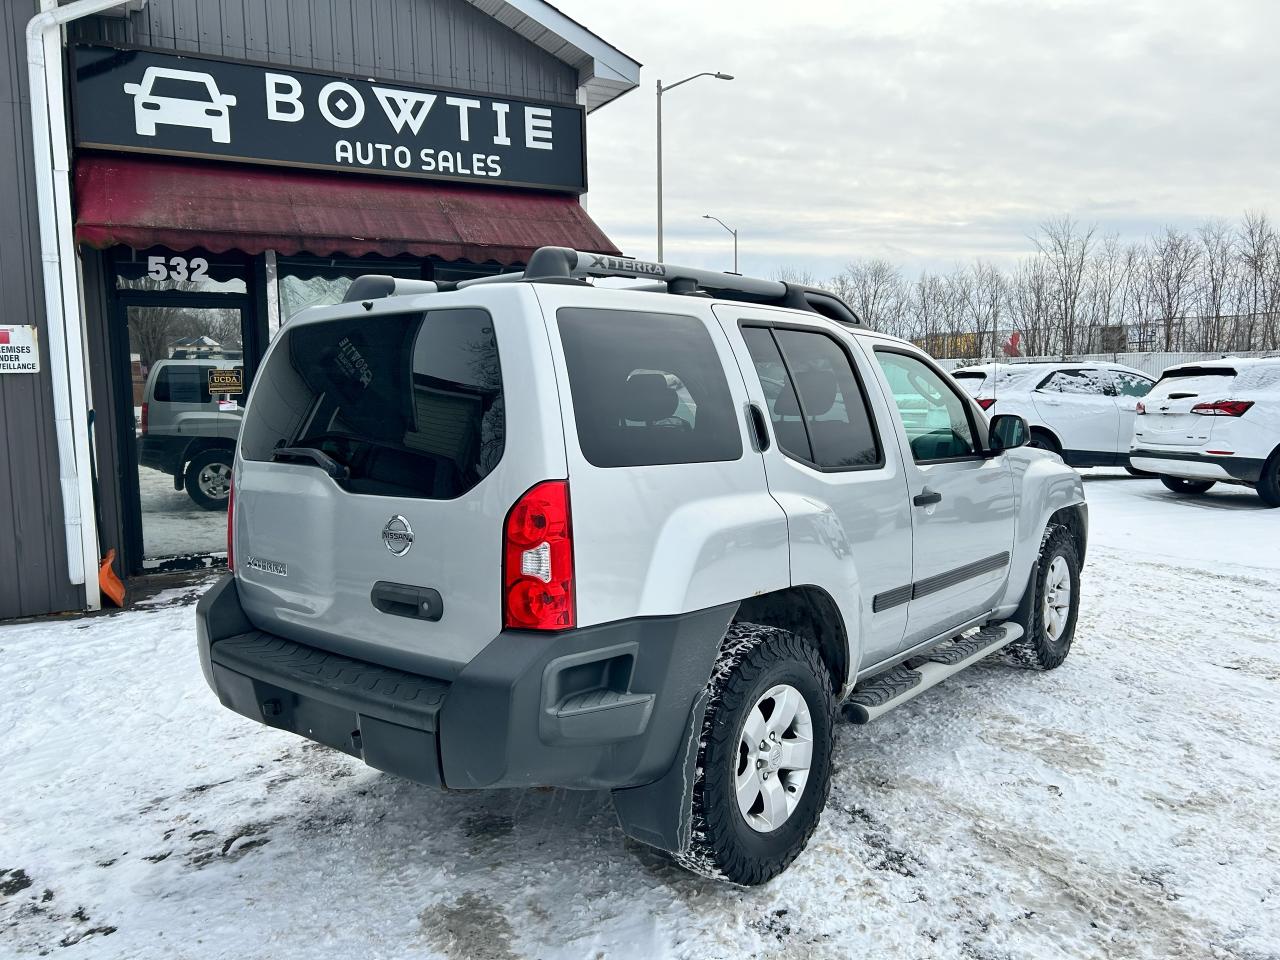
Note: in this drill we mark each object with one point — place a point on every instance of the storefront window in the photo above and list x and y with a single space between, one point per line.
192 271
305 282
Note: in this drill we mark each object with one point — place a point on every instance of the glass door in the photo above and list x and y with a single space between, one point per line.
187 377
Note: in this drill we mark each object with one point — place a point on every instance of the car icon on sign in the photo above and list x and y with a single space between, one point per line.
180 98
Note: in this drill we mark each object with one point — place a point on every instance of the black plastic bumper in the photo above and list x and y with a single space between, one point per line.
1244 469
602 707
163 453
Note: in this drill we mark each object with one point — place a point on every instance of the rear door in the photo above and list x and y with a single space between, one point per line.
1168 421
835 468
437 417
963 506
1077 405
1129 387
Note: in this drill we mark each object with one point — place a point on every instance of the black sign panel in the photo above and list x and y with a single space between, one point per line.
140 100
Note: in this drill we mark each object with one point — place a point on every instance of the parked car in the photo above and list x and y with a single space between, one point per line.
531 531
1216 421
188 432
1081 411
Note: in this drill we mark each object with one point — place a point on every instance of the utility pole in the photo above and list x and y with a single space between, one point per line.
661 91
707 216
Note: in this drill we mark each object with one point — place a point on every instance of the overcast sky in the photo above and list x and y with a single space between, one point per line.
932 132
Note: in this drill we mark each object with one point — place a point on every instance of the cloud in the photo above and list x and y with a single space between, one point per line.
935 131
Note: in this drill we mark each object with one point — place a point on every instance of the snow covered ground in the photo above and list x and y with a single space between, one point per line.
1121 806
172 523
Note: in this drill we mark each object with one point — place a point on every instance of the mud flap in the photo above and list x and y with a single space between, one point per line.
661 813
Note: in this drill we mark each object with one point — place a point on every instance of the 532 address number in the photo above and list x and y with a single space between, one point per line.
177 268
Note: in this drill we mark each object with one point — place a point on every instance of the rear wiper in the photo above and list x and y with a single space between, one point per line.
331 466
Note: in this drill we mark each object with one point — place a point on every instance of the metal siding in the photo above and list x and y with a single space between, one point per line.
33 559
433 42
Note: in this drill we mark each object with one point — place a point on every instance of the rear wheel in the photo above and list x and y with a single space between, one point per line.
208 479
1048 612
1269 483
764 762
1187 487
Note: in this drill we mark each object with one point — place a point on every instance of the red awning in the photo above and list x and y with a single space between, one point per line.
143 202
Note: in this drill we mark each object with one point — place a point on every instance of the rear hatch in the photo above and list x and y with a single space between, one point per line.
1168 421
379 457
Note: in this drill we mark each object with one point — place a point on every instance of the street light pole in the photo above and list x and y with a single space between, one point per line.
707 216
661 91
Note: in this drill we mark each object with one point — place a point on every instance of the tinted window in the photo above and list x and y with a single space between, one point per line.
411 404
1131 385
1079 382
935 418
182 384
648 388
1186 382
779 394
835 411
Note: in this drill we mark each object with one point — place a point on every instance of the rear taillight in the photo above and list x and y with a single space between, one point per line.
1140 409
143 421
537 574
231 526
1223 408
986 403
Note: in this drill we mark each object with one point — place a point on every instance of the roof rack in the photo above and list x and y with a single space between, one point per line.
563 265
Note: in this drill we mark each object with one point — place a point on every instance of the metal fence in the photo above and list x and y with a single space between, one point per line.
1153 363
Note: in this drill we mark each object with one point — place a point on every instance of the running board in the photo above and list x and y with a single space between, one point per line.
895 687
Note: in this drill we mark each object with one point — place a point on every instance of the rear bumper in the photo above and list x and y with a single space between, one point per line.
1194 465
163 453
602 707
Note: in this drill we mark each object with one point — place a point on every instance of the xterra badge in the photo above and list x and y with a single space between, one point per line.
398 535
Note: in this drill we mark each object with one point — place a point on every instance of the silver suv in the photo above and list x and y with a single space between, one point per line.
188 432
534 531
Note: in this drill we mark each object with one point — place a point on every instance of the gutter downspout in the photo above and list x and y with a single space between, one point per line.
62 297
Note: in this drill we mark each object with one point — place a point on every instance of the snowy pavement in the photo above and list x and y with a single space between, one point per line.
1122 806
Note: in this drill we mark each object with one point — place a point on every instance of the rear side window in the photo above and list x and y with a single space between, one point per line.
816 403
182 384
411 404
1131 385
648 388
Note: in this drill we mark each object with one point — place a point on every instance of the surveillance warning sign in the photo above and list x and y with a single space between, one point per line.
19 349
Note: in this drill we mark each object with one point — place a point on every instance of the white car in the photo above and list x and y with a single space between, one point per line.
1217 421
180 98
1083 412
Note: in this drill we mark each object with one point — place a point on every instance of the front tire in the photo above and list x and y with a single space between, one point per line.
1188 488
764 761
1048 612
208 479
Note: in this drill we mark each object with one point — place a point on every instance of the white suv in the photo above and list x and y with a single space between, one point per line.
1081 411
529 531
1210 422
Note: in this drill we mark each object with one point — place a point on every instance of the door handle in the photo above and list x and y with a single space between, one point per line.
926 498
758 429
404 600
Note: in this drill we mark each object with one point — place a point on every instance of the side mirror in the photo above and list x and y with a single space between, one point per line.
1008 430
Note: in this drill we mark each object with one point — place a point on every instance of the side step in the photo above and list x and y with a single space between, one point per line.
895 687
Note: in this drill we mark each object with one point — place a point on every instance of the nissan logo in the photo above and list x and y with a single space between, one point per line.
397 535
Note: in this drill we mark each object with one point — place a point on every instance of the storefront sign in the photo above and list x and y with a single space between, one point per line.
226 381
139 100
19 349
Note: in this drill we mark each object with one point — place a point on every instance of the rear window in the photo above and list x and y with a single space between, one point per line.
970 381
1193 382
410 404
647 388
974 382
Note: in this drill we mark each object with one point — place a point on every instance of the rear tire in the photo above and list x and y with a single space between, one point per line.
1048 611
753 807
1188 488
208 479
1269 483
